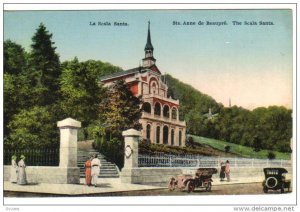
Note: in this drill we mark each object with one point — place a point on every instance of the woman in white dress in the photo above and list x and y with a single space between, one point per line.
95 169
22 179
13 169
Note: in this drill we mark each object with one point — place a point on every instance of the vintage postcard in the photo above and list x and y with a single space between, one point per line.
149 104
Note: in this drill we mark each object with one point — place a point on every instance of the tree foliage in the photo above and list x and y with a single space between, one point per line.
39 91
44 66
82 93
33 128
120 110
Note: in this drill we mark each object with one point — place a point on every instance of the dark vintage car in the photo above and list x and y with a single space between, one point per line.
202 179
275 180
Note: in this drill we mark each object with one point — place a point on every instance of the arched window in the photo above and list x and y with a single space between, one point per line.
148 132
147 107
153 86
157 134
172 137
157 109
166 111
174 113
180 138
165 134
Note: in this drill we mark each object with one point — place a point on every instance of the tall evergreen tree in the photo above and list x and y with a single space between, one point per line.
44 66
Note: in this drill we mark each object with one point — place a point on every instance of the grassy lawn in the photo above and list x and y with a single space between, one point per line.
243 151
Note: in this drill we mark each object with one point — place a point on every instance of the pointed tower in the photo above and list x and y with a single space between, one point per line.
149 60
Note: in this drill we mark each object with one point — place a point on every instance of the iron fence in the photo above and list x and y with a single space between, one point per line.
34 157
166 160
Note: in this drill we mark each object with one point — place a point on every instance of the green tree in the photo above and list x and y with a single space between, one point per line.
44 67
14 58
120 110
33 128
31 88
82 93
257 144
274 127
18 92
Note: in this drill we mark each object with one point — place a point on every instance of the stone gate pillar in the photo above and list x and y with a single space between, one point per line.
68 151
129 172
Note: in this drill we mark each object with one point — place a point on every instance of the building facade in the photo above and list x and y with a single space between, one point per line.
160 116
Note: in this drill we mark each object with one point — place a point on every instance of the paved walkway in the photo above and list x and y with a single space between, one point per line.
105 185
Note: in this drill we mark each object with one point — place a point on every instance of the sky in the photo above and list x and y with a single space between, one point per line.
250 64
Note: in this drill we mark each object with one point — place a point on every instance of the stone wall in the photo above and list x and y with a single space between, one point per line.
161 176
145 176
149 176
45 174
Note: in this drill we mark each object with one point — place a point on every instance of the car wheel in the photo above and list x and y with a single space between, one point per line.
271 182
190 186
171 184
208 187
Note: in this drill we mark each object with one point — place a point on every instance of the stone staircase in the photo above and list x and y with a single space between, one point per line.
107 169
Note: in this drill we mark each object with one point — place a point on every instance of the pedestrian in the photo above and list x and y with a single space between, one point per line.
227 170
22 179
95 169
14 169
222 171
88 171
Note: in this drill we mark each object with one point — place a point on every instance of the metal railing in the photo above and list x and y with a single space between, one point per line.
166 160
34 157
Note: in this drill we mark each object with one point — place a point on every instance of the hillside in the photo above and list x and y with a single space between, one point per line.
192 101
262 128
239 150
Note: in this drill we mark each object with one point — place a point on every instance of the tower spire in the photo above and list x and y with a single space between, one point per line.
149 44
149 60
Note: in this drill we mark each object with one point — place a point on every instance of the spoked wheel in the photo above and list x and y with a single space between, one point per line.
208 186
171 184
190 186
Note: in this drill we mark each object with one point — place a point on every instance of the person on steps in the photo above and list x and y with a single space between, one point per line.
95 169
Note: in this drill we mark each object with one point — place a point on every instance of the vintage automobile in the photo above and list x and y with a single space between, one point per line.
275 180
202 179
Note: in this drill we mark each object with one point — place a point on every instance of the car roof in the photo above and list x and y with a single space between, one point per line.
280 170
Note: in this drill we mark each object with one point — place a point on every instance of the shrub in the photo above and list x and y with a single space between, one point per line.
271 155
227 148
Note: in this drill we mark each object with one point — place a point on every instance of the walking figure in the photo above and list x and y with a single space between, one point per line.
14 169
88 171
222 171
22 179
227 170
95 169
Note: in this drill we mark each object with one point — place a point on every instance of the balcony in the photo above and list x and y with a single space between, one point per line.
149 96
163 119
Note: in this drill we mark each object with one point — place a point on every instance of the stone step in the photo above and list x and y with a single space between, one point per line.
102 169
103 176
107 169
102 164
